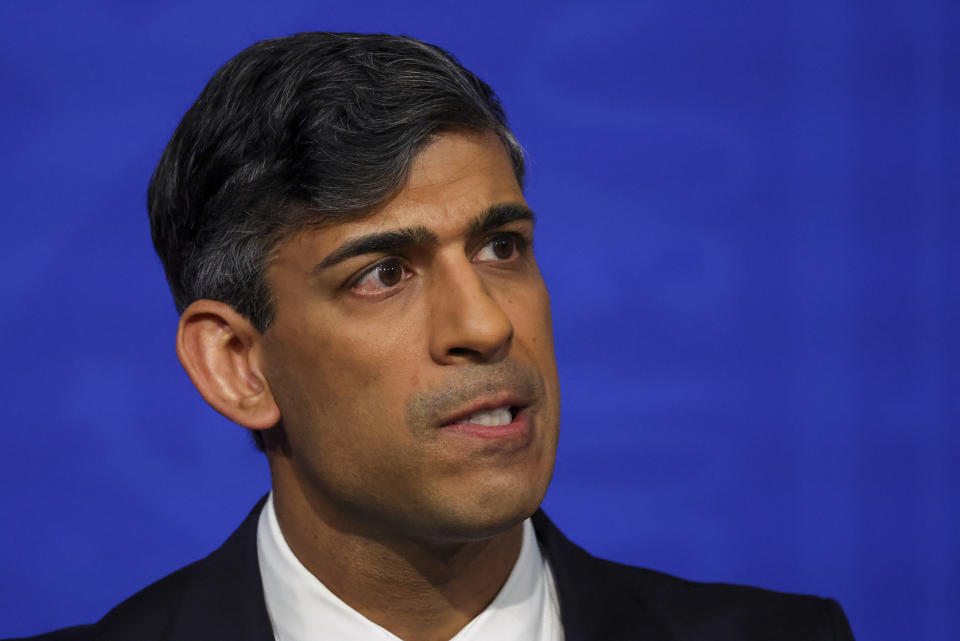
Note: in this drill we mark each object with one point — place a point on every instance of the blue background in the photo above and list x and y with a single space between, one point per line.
748 222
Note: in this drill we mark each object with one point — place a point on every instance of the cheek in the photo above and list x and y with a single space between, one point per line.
533 326
345 392
533 323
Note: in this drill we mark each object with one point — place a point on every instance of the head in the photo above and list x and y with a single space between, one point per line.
342 224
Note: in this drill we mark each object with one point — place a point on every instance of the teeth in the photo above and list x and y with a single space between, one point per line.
491 418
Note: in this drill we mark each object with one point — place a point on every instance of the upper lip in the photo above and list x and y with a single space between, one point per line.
487 403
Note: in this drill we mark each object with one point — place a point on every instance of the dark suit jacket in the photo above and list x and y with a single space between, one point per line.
220 598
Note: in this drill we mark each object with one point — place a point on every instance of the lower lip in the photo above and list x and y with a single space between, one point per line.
519 427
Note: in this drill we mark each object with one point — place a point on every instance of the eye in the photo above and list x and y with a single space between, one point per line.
381 277
500 248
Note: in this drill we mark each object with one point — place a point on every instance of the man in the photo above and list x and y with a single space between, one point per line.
343 226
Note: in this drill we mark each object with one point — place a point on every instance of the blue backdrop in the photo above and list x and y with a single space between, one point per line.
748 222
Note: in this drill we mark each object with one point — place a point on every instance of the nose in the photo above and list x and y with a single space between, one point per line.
467 323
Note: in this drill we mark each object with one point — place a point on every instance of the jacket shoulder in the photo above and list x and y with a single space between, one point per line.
219 596
744 612
146 615
602 599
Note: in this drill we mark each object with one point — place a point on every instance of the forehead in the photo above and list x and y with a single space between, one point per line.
459 164
450 182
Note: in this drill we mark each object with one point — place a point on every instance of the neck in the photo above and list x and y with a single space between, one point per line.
419 590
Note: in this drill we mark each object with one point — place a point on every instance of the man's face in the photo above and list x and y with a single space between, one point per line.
411 354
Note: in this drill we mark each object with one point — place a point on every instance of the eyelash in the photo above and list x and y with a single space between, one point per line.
520 244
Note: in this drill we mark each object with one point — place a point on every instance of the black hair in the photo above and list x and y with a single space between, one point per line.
305 130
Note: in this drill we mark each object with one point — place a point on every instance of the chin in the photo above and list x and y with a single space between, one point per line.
487 509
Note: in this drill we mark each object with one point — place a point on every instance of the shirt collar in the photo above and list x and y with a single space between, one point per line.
301 608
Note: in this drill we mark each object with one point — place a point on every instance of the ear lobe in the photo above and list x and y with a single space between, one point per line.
218 349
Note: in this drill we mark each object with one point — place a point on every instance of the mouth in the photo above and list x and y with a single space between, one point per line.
498 404
491 420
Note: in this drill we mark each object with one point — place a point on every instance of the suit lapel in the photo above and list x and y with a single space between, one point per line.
593 604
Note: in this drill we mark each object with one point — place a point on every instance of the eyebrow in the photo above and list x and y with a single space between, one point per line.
392 241
500 215
383 243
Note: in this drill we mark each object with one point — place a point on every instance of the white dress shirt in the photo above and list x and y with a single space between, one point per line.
301 608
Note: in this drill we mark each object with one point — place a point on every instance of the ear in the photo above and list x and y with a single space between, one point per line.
221 352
